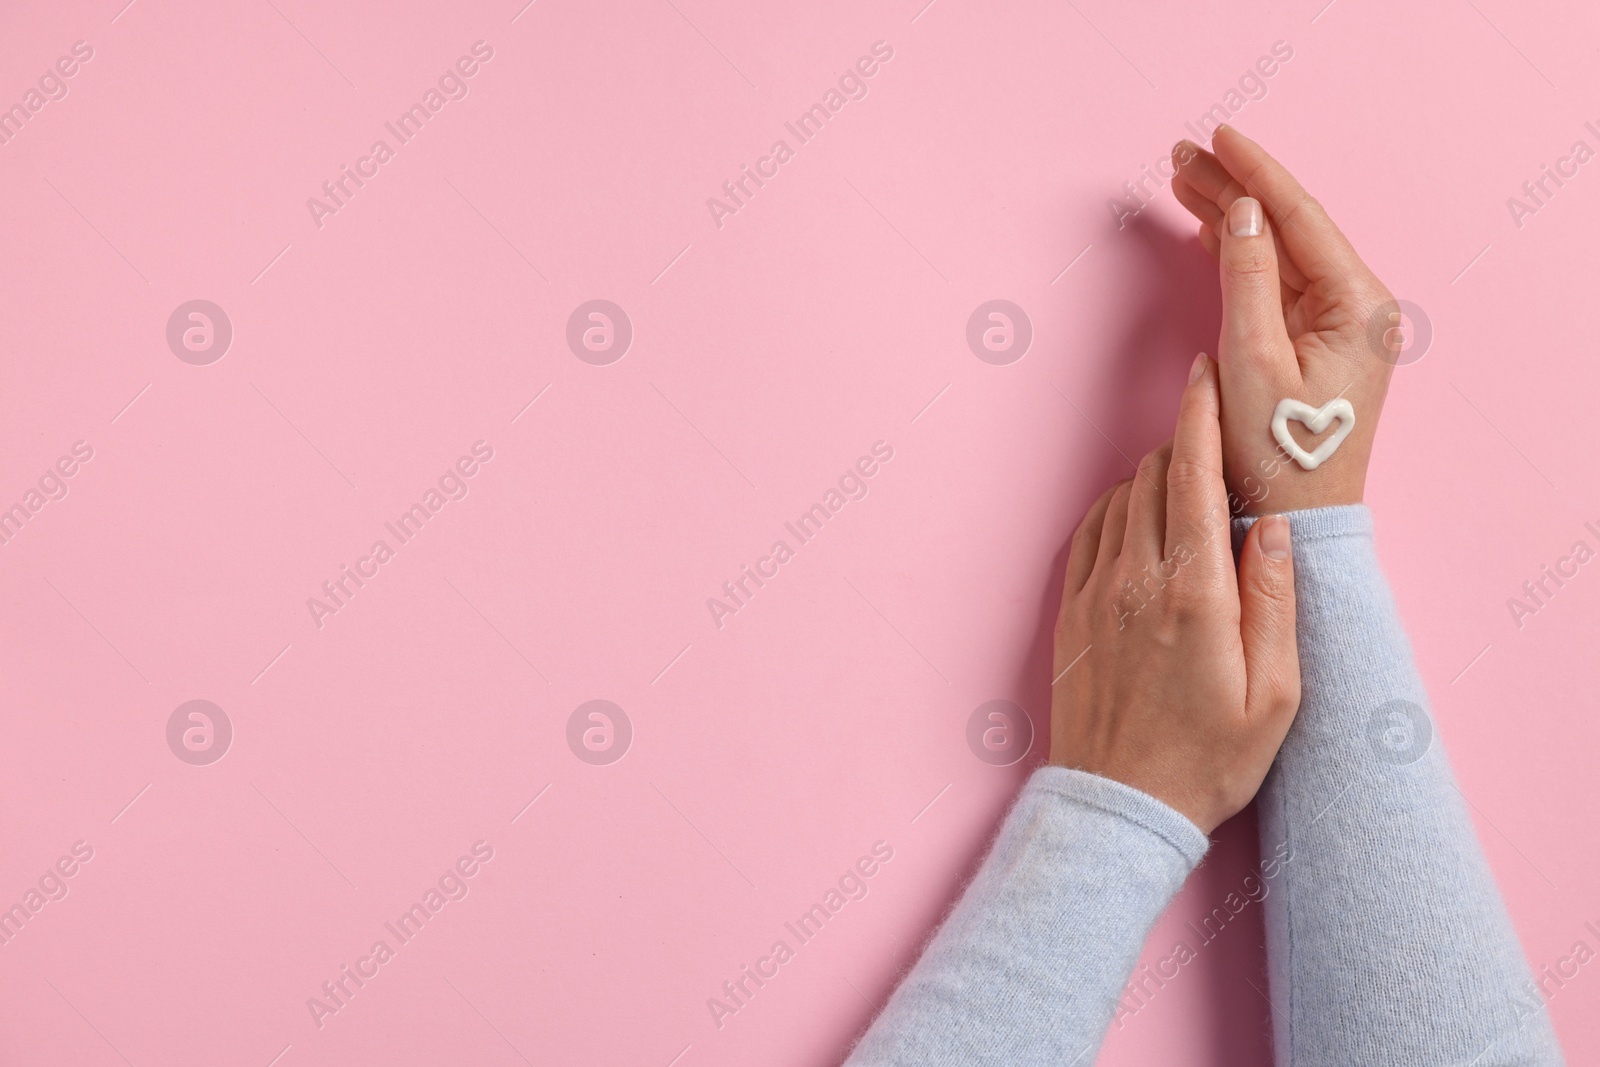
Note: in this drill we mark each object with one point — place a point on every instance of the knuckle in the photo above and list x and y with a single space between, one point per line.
1072 622
1186 603
1093 519
1271 584
1289 694
1066 623
1186 472
1251 180
1280 694
1081 532
1251 263
1307 204
1124 598
1370 297
1168 633
1256 340
1117 510
1080 571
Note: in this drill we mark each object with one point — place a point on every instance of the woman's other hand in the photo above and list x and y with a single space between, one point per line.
1174 674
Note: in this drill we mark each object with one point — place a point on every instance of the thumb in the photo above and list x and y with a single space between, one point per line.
1266 621
1253 333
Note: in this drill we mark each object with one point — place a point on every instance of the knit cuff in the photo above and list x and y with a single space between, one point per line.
1125 802
1315 524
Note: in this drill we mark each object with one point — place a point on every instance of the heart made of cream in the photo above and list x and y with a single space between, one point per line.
1316 420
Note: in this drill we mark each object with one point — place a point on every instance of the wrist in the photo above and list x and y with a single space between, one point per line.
1274 483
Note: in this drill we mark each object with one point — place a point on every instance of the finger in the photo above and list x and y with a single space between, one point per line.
1086 543
1202 207
1315 245
1210 241
1197 502
1204 174
1116 525
1267 622
1147 507
1255 340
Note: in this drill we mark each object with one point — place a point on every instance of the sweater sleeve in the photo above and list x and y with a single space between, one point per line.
1388 942
1027 968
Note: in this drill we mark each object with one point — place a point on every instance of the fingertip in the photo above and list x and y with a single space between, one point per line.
1229 132
1245 218
1196 494
1266 575
1198 437
1202 381
1277 542
1266 572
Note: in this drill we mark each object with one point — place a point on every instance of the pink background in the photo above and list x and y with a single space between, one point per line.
768 354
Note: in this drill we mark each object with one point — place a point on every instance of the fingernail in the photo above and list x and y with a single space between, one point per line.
1244 217
1275 541
1185 150
1197 368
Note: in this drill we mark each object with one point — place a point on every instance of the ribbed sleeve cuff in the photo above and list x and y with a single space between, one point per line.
1125 802
1315 524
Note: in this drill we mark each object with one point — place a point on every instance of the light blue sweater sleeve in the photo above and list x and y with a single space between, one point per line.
1388 942
1027 968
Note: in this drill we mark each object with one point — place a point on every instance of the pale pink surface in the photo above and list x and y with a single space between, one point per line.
770 753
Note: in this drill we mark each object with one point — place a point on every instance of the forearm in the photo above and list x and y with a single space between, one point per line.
1027 968
1388 942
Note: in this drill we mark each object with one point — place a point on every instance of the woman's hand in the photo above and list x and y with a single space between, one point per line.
1173 675
1302 319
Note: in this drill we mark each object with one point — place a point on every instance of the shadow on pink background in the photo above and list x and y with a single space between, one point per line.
412 743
